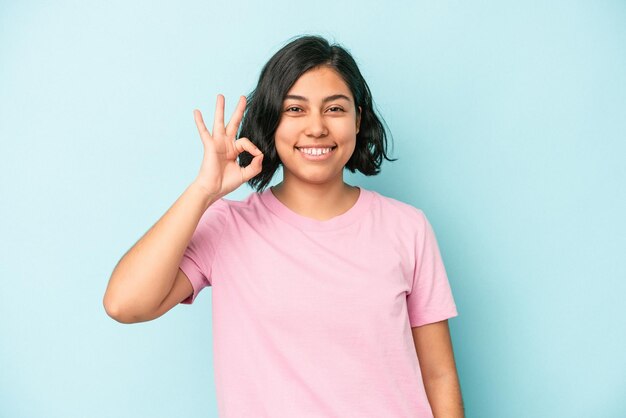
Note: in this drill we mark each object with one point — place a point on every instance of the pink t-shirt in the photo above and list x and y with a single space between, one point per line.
312 319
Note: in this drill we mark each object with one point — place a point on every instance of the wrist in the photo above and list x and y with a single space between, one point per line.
206 196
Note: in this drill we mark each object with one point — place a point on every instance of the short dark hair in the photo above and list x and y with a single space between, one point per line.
264 104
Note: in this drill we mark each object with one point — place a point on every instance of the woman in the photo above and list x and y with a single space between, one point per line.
329 300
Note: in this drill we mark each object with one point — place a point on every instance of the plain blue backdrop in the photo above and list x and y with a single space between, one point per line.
509 122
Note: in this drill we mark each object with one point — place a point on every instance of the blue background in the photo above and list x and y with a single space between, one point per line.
509 122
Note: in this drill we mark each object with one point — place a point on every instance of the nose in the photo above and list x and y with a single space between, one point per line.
316 125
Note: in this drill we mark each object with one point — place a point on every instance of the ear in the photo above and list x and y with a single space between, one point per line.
358 120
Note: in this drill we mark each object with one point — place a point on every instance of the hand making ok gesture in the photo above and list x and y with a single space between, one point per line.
220 172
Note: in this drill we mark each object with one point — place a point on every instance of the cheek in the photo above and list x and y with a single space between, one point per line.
346 132
283 144
285 133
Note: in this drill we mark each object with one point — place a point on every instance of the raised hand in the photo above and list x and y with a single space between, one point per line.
220 173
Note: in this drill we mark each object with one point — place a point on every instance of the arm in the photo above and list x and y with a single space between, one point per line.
147 281
436 358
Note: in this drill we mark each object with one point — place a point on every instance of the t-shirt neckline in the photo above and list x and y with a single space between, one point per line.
304 222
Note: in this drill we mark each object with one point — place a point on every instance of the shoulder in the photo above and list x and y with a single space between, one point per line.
225 213
231 208
397 210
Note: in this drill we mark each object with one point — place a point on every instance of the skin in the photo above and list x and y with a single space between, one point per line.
316 188
147 281
434 351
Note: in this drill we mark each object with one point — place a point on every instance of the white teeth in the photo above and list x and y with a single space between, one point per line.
315 151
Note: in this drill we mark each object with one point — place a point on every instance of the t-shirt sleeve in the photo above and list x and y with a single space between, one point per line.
198 258
430 299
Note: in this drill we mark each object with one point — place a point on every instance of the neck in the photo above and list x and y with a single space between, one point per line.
317 201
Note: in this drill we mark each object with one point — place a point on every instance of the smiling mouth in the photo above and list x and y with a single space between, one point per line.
315 151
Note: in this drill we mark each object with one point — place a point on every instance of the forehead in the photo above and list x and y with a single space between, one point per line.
320 81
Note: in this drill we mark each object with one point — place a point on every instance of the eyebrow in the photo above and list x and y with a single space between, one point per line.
326 99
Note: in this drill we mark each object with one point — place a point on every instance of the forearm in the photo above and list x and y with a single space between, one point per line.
444 396
145 274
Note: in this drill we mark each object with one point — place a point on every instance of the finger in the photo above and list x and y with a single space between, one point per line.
235 120
244 144
202 130
252 169
218 120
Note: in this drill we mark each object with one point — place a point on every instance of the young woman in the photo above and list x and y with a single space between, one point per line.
329 300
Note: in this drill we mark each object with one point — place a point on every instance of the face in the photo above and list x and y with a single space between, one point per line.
316 135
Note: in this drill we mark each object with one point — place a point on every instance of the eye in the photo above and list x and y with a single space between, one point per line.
293 109
335 109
